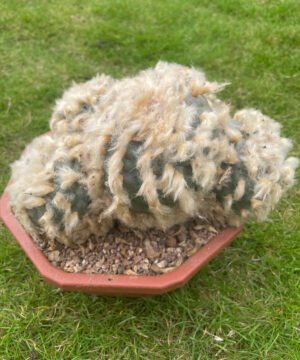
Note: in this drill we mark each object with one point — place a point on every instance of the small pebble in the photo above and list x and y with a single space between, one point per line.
162 264
53 255
171 242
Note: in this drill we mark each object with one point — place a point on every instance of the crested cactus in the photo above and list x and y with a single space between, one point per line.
151 151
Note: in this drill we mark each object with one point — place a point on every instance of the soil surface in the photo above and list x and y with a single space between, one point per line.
130 251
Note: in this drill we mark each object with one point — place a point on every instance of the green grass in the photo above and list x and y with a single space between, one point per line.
249 296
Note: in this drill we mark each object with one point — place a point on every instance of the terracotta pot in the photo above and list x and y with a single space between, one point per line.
129 285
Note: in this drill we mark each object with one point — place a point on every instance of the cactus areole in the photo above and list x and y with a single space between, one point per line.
152 150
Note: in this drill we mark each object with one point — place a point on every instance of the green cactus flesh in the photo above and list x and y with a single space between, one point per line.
131 178
238 171
201 104
76 194
132 181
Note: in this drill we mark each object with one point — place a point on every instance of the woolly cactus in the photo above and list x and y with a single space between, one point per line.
151 151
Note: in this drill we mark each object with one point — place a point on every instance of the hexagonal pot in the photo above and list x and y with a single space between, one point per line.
129 285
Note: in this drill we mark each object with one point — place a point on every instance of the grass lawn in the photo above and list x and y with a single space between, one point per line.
246 303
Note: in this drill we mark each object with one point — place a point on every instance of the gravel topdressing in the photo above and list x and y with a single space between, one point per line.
130 251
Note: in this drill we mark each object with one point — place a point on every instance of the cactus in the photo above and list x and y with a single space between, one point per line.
153 150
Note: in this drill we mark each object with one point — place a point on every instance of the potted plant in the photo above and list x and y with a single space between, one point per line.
149 153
